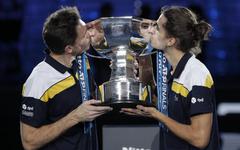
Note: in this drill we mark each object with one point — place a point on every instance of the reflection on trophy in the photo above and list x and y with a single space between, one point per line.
119 39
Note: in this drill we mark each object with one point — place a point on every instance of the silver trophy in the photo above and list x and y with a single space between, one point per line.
120 39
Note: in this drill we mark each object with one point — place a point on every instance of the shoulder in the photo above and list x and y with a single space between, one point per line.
195 73
198 73
41 79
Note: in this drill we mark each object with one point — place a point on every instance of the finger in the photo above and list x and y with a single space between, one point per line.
146 113
97 114
125 111
142 108
147 110
136 113
94 114
130 110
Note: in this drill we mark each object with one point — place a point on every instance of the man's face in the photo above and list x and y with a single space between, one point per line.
82 42
145 29
96 33
159 37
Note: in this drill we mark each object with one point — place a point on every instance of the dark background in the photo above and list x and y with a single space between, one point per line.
21 48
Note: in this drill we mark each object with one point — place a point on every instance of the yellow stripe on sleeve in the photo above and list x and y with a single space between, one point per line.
180 89
57 88
208 82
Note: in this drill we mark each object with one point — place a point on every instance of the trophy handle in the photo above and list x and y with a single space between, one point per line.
99 57
148 53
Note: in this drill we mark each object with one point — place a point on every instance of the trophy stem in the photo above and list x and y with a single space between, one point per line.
122 64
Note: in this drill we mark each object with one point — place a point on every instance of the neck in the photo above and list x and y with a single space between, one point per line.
173 56
64 59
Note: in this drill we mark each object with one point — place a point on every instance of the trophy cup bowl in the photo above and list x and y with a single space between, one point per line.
120 39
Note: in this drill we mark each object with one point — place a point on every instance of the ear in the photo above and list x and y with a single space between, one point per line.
68 49
171 41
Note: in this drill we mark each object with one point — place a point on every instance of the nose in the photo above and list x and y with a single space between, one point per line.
151 29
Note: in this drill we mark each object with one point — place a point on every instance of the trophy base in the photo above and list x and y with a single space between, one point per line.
117 105
119 118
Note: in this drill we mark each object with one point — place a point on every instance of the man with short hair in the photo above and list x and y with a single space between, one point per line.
53 112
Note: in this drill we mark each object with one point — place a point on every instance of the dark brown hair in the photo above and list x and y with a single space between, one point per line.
59 29
182 24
